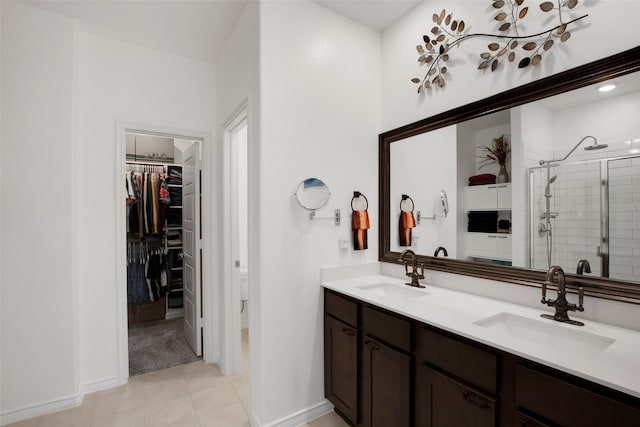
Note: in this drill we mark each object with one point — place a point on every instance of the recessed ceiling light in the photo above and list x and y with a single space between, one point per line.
607 88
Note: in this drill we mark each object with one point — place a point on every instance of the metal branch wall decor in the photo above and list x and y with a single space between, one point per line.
507 43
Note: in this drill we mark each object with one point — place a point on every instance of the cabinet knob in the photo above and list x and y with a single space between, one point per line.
374 345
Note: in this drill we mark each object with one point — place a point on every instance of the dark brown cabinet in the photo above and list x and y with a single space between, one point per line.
442 401
383 369
567 404
341 357
386 369
341 366
524 420
386 386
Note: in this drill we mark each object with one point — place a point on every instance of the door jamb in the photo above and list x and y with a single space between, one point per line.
231 355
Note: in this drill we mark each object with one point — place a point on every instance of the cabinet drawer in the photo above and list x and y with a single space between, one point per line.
387 328
466 362
569 405
341 308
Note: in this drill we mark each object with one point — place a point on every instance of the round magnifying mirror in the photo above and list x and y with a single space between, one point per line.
312 194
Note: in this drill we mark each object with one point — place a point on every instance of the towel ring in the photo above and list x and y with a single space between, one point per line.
405 198
357 194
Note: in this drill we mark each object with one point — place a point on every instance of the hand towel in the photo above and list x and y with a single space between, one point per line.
359 226
407 222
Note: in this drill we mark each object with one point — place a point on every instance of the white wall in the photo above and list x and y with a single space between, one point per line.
119 81
38 298
320 109
532 131
410 175
401 103
237 84
620 124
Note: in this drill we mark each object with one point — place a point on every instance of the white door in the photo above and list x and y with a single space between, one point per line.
191 247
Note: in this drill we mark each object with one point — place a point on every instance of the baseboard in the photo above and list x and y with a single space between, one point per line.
53 405
298 418
56 405
101 385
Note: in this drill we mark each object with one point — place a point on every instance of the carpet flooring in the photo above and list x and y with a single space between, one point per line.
158 345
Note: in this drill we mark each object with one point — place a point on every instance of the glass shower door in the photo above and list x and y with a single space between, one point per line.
566 221
623 218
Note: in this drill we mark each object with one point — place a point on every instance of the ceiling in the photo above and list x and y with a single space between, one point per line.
197 29
377 14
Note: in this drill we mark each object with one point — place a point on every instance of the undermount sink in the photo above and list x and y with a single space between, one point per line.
390 290
547 334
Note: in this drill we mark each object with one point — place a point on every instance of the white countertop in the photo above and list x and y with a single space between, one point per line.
617 366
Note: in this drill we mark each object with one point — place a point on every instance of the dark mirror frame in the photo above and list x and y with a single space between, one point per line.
575 78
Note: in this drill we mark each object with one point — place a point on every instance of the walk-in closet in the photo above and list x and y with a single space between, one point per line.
162 220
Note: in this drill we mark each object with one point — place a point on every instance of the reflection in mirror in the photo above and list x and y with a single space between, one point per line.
575 224
414 172
572 200
312 194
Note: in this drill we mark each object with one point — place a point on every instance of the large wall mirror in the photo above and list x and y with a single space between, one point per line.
571 196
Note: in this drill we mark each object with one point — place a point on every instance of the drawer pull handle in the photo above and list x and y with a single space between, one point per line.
476 403
348 331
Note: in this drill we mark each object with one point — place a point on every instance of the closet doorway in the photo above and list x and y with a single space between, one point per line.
163 253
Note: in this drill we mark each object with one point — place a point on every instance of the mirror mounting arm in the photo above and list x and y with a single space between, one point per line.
336 216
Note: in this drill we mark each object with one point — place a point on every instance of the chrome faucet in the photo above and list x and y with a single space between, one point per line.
583 266
440 249
560 303
416 273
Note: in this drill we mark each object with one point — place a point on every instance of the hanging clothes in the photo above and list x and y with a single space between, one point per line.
146 272
148 198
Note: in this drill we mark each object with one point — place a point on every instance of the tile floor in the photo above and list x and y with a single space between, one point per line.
193 395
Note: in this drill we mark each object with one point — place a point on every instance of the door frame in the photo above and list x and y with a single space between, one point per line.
209 208
231 357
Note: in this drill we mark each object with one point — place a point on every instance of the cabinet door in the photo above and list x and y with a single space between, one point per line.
341 367
504 196
481 198
504 247
442 401
386 386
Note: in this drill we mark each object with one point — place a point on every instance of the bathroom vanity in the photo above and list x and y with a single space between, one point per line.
401 356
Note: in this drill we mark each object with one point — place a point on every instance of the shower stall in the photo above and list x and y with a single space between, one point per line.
583 217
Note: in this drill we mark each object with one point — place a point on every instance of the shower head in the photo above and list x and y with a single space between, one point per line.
595 146
547 193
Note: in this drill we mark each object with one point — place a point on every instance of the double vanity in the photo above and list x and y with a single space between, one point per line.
397 355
